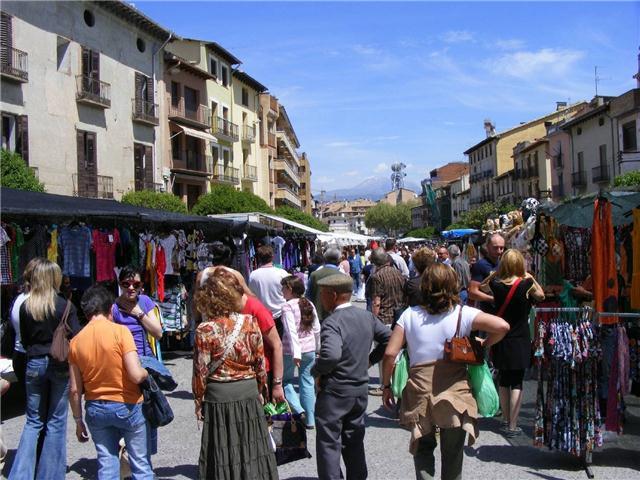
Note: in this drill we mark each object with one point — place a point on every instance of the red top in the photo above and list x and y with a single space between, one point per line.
265 323
105 244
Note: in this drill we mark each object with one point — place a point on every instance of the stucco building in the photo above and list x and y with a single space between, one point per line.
460 194
625 109
81 95
305 184
396 197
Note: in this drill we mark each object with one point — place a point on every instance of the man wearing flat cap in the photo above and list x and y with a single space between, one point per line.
341 371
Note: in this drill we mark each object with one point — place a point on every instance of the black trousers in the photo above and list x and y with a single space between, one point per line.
340 432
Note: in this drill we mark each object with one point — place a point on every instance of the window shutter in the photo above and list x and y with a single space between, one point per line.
150 94
22 122
6 38
139 100
80 176
95 65
86 61
148 167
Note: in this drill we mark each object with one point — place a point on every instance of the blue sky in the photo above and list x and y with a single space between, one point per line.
370 84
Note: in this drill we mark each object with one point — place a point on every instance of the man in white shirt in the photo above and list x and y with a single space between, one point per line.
265 283
392 249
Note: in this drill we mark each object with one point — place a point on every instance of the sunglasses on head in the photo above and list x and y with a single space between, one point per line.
126 285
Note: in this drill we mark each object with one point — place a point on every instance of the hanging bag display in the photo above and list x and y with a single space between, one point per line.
288 433
463 349
59 349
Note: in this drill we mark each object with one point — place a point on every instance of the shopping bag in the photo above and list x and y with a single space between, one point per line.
484 390
288 432
400 374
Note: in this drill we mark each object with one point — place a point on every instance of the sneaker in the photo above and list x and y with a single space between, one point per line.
376 392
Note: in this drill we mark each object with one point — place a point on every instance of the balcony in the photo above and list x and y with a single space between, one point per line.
579 179
92 186
248 133
250 173
150 186
14 64
533 171
487 174
600 174
225 130
287 195
222 174
92 91
558 161
199 116
289 146
143 111
192 162
271 140
287 167
273 105
557 191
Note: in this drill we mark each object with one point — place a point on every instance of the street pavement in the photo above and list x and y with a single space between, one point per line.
491 457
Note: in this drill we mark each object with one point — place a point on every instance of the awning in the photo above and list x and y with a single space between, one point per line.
192 132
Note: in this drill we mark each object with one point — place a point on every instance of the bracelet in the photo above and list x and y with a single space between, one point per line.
277 380
78 419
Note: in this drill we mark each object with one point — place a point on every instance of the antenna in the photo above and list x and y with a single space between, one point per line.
397 177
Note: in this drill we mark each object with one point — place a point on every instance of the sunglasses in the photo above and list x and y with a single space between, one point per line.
128 285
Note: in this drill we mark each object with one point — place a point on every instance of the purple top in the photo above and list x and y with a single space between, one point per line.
134 326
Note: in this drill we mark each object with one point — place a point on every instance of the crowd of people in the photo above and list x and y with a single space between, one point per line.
250 339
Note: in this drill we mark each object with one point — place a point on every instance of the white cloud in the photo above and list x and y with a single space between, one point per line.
457 36
352 173
547 61
340 144
509 44
367 50
381 167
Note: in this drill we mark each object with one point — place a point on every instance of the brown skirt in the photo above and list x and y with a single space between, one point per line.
235 440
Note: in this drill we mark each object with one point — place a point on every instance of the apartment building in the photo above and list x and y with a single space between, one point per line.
189 143
268 114
528 159
460 194
560 161
401 195
594 147
246 102
504 187
427 214
493 156
305 184
285 167
625 109
80 95
347 216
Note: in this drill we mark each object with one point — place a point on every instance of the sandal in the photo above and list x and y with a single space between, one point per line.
509 433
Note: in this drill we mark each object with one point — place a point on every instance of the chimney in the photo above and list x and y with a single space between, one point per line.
560 106
489 128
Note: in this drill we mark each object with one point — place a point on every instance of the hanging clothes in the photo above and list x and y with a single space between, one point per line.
5 265
75 244
161 267
17 241
603 261
105 244
52 250
635 274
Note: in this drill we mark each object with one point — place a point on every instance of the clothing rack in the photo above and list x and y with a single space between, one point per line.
587 458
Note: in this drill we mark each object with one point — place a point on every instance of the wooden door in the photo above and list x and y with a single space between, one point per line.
87 178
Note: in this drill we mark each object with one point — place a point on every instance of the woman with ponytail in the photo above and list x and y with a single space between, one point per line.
300 343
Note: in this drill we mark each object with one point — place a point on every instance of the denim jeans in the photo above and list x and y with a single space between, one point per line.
108 422
356 282
307 400
47 387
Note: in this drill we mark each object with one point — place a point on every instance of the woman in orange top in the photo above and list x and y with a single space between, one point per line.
228 374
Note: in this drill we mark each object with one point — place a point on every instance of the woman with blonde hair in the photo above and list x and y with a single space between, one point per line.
437 393
47 381
228 378
514 290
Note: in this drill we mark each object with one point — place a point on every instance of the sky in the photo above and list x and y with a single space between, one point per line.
370 84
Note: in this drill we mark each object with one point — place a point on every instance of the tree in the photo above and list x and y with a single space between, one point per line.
158 200
388 218
425 232
17 174
299 216
226 199
629 179
477 217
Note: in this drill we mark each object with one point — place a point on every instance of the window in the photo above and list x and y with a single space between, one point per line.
91 67
601 121
89 18
629 137
226 156
175 145
190 99
142 167
490 149
224 73
175 94
144 92
245 97
62 56
15 136
603 154
215 154
141 45
580 161
213 66
579 130
87 177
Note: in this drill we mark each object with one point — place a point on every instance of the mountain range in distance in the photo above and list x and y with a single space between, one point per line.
373 188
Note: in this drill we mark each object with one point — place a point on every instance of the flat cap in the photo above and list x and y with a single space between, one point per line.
338 282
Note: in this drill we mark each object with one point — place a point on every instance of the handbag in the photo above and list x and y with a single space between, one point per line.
512 292
155 407
463 349
289 434
59 349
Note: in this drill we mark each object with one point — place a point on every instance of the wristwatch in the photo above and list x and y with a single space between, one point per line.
277 380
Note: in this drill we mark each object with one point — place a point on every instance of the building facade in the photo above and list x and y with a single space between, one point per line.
459 197
306 199
81 94
268 113
402 195
625 109
285 168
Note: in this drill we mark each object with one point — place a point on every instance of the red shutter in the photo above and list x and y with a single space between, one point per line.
22 122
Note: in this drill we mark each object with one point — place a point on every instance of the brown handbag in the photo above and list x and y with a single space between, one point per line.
463 349
59 350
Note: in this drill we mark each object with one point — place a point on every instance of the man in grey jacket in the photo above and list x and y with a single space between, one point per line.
341 372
